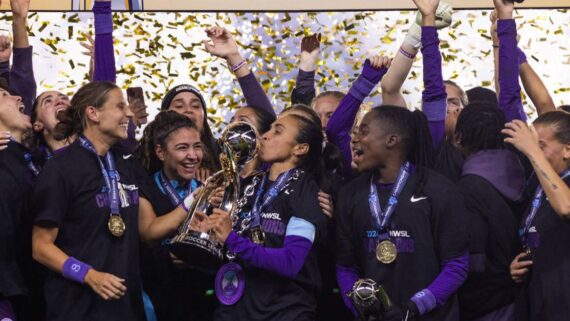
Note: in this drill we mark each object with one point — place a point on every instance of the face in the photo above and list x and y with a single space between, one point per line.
50 103
369 145
325 107
182 154
557 154
113 117
247 115
12 117
279 143
189 105
454 107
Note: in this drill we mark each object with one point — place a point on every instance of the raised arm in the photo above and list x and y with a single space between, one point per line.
304 91
104 69
222 44
339 125
22 81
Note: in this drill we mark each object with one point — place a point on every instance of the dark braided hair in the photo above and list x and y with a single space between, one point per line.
479 127
156 133
413 131
559 121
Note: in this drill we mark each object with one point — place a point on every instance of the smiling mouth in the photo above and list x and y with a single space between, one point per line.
189 166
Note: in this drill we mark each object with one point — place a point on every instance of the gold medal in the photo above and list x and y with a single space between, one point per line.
116 225
386 252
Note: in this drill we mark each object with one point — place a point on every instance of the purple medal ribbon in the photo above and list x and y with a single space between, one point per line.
111 175
381 218
536 202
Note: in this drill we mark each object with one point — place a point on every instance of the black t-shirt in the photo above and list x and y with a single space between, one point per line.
493 235
268 296
427 227
448 161
71 194
547 291
15 228
177 293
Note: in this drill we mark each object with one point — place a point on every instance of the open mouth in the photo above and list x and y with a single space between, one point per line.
189 167
357 154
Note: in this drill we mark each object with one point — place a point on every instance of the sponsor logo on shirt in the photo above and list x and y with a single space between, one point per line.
272 223
401 238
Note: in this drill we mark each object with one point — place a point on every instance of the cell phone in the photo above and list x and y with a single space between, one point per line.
135 93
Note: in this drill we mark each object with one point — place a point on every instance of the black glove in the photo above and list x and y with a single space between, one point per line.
401 312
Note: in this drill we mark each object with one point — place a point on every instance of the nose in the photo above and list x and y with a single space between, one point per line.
324 122
129 113
18 98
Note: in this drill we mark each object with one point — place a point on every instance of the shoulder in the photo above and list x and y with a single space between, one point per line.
355 185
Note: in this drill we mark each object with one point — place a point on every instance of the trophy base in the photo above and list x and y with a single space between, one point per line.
196 250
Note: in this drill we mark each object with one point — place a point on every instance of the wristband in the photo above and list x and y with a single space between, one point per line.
75 270
238 66
407 54
495 46
187 203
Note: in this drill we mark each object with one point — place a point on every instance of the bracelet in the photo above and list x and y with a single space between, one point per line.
407 54
75 270
495 46
238 66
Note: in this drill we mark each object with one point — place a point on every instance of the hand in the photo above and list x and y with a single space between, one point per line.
138 108
221 224
504 8
326 204
523 137
202 175
427 7
520 269
310 49
5 48
199 222
216 197
378 62
222 43
4 140
90 46
397 312
105 285
20 8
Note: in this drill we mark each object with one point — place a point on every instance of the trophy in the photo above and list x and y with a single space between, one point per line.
239 144
369 299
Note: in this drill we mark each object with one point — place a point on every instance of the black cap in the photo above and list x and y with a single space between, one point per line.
179 89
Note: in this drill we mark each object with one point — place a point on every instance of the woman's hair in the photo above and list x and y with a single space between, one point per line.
413 131
464 98
559 121
72 120
565 108
307 112
479 127
264 119
157 133
338 95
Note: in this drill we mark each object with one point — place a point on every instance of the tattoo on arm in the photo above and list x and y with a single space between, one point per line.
543 173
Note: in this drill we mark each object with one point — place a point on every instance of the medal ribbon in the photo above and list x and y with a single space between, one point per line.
381 218
28 159
263 200
172 193
111 176
536 201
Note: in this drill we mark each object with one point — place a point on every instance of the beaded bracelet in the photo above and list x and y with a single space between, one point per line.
238 66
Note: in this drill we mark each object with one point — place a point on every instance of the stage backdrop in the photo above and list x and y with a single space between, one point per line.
273 5
158 50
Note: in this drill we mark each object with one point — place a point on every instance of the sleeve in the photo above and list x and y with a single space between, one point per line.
22 81
434 96
105 69
304 91
304 205
51 196
143 180
510 95
346 277
254 94
341 121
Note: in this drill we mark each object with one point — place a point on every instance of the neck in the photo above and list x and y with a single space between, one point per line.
278 168
16 134
101 143
388 173
55 144
173 176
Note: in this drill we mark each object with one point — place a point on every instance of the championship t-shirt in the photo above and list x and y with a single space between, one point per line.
71 195
547 296
269 296
427 226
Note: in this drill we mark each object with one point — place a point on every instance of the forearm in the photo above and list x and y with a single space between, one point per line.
20 32
236 59
254 94
510 90
556 190
286 261
397 73
104 69
496 70
452 275
535 89
153 229
304 90
22 79
46 252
